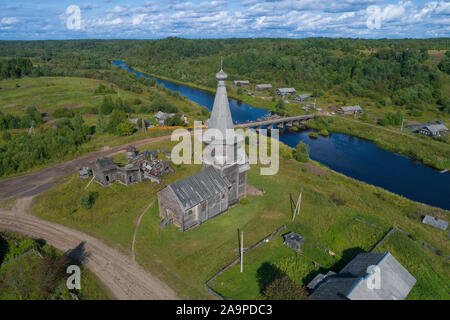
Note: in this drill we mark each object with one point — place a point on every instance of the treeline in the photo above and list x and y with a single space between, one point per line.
30 116
15 68
24 151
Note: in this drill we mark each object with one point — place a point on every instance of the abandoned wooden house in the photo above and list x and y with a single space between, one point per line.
394 282
285 91
223 179
262 87
107 172
349 110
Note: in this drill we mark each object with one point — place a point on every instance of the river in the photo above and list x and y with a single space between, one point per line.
354 157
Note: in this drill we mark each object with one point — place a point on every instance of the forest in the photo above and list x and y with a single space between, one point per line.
389 72
403 74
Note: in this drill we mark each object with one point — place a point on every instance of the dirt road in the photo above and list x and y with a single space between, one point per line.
124 278
34 183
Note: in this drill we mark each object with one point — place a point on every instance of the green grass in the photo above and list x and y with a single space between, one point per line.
186 260
431 271
20 275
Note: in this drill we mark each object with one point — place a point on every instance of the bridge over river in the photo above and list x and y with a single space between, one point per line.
280 122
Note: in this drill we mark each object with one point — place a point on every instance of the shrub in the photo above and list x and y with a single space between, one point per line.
283 288
244 201
324 132
301 153
87 202
313 135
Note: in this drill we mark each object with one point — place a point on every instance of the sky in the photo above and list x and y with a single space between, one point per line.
134 19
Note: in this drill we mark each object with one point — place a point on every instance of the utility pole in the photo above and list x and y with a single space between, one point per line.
242 251
401 129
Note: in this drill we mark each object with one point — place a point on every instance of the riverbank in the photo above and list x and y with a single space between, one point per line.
437 157
331 202
428 153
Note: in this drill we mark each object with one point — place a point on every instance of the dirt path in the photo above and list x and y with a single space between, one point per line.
125 279
133 256
34 183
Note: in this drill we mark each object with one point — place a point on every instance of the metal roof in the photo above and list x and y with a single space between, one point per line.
351 282
437 223
199 187
264 85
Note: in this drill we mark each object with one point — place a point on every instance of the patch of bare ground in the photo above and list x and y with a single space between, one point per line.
316 170
252 191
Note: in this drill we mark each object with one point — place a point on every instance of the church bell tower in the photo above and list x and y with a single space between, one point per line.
222 146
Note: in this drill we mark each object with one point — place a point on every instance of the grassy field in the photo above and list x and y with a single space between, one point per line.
21 275
342 214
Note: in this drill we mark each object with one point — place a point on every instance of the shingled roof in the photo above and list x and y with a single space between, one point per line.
199 187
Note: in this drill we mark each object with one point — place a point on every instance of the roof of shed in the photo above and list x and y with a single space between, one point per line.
199 187
436 128
105 163
437 223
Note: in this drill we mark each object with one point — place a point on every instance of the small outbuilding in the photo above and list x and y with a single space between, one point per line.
84 172
434 130
293 240
434 222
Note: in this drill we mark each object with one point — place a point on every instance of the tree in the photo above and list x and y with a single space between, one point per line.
87 201
117 117
283 288
101 123
126 129
301 153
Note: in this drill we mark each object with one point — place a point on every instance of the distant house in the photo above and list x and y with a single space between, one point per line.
241 82
262 87
293 240
434 222
434 130
161 116
350 110
354 281
285 91
302 97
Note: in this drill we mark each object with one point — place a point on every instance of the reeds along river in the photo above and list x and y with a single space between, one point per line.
354 157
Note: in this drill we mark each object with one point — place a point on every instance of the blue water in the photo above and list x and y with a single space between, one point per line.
354 157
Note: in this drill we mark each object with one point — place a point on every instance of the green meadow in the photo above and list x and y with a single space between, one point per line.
338 213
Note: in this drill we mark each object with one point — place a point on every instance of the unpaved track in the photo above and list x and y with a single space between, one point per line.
33 183
125 279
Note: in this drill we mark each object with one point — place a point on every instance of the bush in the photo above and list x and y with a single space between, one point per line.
244 201
87 202
283 288
301 153
62 113
126 129
324 133
313 135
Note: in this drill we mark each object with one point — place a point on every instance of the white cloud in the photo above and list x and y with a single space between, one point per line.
9 20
